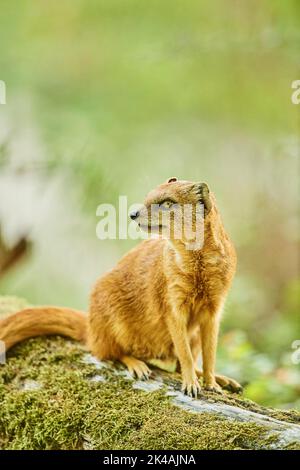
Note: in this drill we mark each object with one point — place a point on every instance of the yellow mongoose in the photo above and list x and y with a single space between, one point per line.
162 300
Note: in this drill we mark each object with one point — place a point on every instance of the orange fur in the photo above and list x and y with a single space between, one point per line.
38 321
161 301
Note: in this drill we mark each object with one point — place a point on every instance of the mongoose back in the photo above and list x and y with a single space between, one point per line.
163 300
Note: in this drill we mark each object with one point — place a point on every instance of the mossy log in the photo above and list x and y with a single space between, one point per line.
55 395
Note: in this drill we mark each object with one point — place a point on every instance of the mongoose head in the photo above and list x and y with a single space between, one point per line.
175 209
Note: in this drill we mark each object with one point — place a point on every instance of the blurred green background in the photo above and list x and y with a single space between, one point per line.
109 98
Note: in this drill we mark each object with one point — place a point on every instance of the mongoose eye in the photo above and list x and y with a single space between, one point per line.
166 205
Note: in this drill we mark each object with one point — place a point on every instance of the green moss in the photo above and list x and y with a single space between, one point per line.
71 412
49 401
293 446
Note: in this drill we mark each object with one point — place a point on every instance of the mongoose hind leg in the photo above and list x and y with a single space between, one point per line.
136 367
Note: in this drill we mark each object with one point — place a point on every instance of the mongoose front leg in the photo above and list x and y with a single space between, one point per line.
209 338
225 382
178 331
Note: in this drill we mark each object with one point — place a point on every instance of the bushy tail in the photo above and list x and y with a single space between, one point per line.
40 321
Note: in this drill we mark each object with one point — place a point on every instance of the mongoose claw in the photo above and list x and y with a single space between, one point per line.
146 375
142 372
191 389
137 369
214 387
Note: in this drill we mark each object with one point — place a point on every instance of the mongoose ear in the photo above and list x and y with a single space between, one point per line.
172 180
202 190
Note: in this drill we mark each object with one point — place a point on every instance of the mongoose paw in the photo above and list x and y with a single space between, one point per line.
191 388
140 370
228 383
213 387
136 368
224 382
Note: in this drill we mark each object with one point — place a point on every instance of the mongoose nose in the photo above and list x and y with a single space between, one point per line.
134 215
